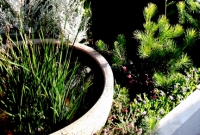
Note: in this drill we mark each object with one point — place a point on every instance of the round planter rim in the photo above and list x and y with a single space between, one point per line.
96 117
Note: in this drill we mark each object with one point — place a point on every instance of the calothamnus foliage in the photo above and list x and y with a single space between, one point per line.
162 50
162 46
187 12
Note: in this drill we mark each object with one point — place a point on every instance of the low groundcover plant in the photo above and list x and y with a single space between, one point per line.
141 115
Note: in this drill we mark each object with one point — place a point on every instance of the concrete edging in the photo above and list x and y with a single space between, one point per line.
184 119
